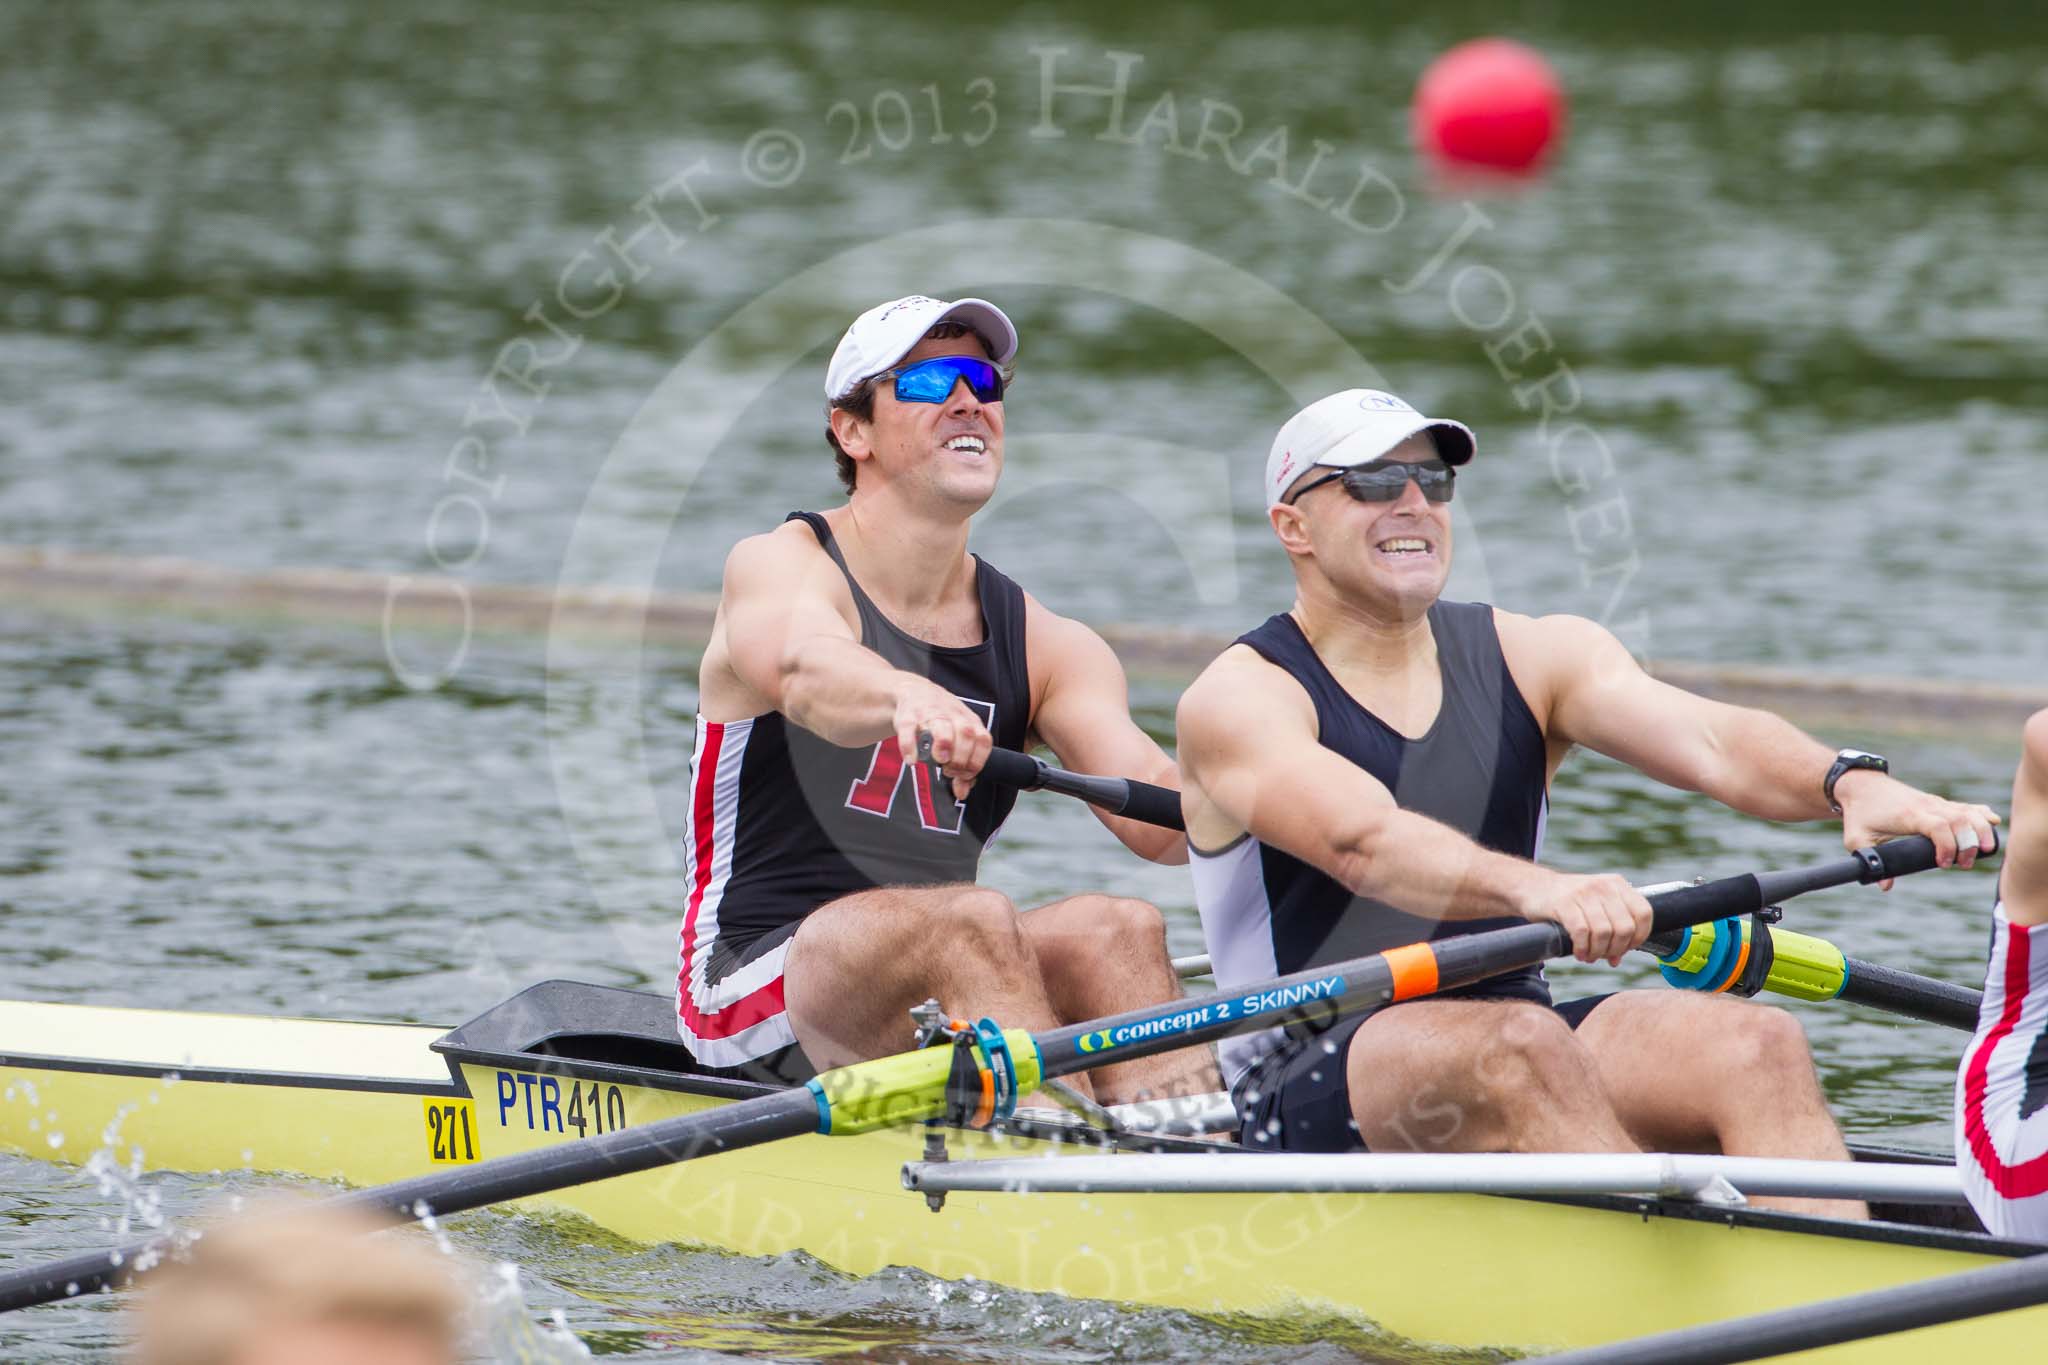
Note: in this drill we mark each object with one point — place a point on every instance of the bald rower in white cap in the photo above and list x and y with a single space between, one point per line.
831 875
1373 768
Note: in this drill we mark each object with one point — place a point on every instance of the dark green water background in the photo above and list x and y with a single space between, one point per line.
257 264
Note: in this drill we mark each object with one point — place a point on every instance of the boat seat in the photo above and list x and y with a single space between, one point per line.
581 1022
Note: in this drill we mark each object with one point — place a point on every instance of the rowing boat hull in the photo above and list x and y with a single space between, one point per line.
370 1103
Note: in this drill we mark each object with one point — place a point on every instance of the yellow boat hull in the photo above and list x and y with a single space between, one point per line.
1459 1270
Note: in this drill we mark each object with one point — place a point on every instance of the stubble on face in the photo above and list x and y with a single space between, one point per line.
933 444
1395 555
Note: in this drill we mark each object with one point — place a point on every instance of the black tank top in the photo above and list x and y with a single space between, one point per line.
1482 768
807 821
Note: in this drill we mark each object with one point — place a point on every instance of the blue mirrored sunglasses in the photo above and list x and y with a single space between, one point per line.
933 381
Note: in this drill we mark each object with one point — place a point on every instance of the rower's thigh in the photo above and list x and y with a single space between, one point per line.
867 957
1676 1063
1461 1074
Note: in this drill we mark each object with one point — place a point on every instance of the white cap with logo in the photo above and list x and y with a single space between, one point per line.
1355 427
885 333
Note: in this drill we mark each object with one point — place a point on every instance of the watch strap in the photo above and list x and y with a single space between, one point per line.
1846 762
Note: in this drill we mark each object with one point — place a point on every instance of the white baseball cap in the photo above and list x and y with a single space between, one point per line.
885 333
1354 427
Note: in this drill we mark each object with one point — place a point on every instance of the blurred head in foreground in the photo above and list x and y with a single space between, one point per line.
293 1287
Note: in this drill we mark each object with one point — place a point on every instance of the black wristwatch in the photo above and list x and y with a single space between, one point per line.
1848 761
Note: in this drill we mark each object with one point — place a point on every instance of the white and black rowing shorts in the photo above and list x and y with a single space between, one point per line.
2002 1088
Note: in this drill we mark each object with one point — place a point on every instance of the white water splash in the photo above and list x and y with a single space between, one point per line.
501 1325
503 1328
140 1204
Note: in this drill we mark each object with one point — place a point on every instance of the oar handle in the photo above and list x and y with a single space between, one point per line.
1119 795
1752 891
1689 905
1881 862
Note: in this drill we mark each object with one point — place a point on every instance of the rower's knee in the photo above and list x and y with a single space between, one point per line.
980 924
1098 932
1766 1043
1125 922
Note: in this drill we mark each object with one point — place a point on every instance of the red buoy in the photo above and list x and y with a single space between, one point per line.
1489 105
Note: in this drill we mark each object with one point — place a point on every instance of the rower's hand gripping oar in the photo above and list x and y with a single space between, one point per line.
1141 801
1739 955
1798 966
913 1086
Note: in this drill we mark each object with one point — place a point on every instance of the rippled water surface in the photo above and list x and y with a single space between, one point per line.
257 266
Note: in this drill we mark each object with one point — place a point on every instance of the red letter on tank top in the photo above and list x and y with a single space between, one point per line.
937 811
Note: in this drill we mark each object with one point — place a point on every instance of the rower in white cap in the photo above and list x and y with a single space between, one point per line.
831 874
1372 768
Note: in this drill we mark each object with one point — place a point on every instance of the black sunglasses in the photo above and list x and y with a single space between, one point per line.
1384 480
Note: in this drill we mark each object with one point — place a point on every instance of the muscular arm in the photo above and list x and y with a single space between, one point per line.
1600 697
2023 880
786 637
1251 762
1750 760
1084 714
789 643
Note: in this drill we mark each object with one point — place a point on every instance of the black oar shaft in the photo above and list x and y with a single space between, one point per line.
1418 969
1858 1317
1915 997
1320 994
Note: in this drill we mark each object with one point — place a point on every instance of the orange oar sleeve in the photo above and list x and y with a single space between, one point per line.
1413 968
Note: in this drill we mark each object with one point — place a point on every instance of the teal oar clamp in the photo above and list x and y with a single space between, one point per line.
982 1086
1707 956
1734 955
1742 955
991 1054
